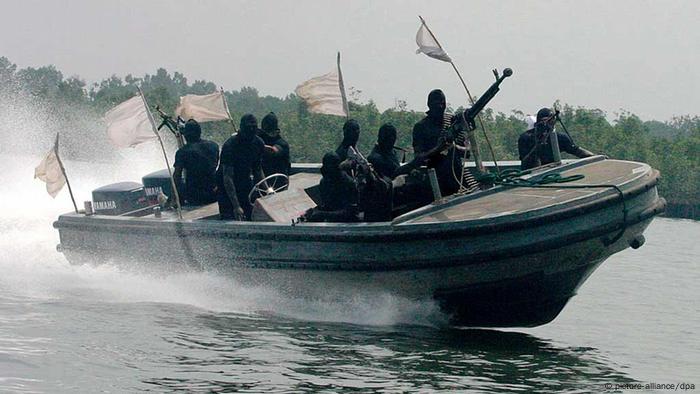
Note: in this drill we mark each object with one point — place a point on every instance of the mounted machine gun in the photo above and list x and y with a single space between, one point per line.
174 125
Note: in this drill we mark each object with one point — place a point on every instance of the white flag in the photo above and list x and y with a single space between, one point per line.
49 171
205 108
128 124
325 94
428 44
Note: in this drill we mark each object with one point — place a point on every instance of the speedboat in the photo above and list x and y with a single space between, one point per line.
510 255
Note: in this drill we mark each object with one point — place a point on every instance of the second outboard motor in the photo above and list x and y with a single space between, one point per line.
156 183
119 198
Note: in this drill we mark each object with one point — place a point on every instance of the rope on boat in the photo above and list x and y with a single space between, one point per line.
514 178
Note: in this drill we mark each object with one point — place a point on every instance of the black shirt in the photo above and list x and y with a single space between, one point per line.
385 163
447 167
245 157
278 162
338 192
199 160
541 154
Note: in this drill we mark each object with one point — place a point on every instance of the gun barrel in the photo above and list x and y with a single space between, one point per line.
471 113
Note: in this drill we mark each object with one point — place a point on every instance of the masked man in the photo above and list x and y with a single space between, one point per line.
240 168
383 157
276 156
351 134
534 145
428 134
197 159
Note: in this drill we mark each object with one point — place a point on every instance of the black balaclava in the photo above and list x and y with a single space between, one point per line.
386 138
269 126
330 166
351 133
437 103
192 131
545 121
249 127
544 113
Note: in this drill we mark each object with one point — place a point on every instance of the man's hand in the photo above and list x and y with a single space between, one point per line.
238 214
271 149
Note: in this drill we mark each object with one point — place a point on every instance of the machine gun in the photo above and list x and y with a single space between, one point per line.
465 121
461 122
174 125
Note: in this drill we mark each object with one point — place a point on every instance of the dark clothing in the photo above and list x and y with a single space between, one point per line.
279 162
246 158
426 134
376 198
385 163
338 192
541 154
342 151
339 200
199 160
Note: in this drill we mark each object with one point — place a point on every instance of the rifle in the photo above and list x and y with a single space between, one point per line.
172 124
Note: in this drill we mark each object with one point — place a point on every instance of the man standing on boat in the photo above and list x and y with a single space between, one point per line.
198 158
430 148
240 168
535 147
276 158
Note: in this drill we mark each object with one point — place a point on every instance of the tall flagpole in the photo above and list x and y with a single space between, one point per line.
63 171
479 164
346 106
167 163
230 118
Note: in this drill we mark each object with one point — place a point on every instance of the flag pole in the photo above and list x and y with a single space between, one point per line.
346 106
230 118
477 155
63 171
162 147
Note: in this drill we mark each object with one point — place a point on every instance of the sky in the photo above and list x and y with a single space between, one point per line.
637 56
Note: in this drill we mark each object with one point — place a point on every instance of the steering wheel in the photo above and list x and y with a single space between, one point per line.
268 185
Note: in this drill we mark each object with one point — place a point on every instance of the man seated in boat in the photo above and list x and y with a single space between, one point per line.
351 134
383 157
240 168
276 157
339 194
432 148
534 145
197 159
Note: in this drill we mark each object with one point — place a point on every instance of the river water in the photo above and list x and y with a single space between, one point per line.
72 329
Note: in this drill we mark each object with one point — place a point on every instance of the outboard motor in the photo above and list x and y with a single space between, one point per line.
119 198
156 183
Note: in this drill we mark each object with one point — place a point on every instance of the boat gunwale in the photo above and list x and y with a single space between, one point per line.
332 232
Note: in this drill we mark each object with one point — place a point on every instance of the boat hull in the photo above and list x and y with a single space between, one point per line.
490 272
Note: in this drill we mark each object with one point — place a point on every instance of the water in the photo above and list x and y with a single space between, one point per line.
92 329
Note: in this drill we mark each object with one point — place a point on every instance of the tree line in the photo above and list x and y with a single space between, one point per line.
69 104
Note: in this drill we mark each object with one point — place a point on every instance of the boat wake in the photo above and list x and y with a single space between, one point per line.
33 269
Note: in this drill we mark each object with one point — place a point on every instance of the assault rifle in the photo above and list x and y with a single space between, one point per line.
173 125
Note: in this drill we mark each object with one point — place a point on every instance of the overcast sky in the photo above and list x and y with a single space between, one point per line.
640 56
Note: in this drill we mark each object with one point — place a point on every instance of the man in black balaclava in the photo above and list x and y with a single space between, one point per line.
351 134
383 157
198 158
241 160
535 148
276 156
427 135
